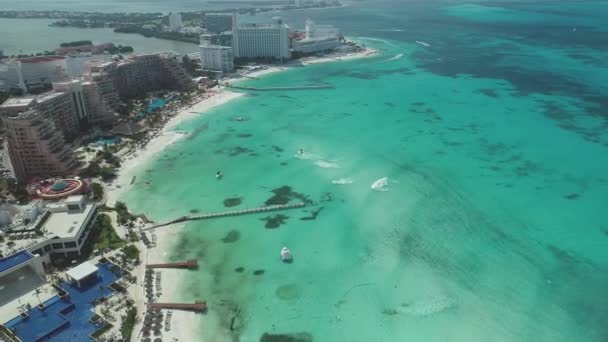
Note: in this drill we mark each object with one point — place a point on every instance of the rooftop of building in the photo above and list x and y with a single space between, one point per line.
262 26
24 101
67 224
48 96
54 220
213 46
41 59
25 115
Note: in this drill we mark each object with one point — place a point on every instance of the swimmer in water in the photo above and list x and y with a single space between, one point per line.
219 174
301 151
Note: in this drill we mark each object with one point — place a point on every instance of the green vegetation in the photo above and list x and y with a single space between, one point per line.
76 43
127 325
121 49
123 213
97 191
15 189
109 157
131 252
103 234
101 330
189 38
106 173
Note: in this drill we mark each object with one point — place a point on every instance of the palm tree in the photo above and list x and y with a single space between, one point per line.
37 293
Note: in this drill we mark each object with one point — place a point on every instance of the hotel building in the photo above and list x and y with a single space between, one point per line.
35 145
217 58
262 41
56 231
222 39
175 21
144 73
32 72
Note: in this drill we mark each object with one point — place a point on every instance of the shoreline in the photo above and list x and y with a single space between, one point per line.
221 95
165 138
172 279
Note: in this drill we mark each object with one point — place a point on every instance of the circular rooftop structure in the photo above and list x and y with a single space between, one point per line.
60 189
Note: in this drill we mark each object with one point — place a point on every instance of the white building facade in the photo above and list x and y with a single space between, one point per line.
32 72
76 91
262 41
217 58
175 21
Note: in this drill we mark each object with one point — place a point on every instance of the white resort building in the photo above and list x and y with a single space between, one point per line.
262 41
53 231
217 58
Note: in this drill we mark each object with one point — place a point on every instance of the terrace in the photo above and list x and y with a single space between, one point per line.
69 318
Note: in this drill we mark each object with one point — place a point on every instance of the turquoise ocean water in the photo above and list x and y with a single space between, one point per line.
493 226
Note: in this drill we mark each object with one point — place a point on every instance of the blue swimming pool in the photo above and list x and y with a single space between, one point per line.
107 141
14 260
65 320
152 106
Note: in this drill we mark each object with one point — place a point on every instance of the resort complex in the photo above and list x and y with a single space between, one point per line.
74 122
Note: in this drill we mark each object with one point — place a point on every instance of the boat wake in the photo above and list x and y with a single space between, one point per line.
427 307
423 43
396 57
342 181
319 161
326 164
385 30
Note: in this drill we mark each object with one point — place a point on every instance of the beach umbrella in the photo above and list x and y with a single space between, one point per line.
156 332
146 333
158 339
146 340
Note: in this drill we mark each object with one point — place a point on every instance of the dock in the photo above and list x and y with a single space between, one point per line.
304 87
265 209
191 264
198 306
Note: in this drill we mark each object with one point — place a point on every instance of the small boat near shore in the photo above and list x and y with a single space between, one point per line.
286 255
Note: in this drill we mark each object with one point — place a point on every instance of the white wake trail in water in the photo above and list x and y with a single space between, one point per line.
394 58
326 164
319 160
427 307
342 181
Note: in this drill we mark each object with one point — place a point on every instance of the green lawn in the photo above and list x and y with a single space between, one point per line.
104 234
127 326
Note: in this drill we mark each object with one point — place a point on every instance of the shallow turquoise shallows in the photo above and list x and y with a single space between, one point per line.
490 226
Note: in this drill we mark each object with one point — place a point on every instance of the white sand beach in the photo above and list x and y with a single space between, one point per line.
183 324
167 137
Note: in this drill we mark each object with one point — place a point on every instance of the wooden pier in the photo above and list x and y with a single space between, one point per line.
230 213
198 306
304 87
191 264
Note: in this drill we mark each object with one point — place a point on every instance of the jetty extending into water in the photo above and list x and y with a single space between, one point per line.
182 264
304 87
198 306
230 213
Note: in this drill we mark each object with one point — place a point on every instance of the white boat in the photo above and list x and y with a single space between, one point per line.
381 184
286 255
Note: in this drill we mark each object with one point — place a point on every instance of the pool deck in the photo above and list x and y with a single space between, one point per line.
66 320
